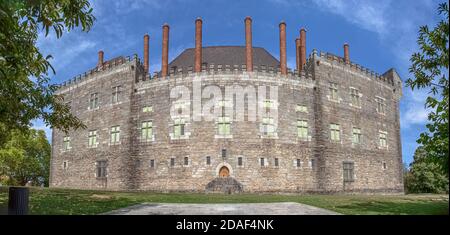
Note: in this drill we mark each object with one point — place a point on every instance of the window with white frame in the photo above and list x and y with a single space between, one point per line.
263 162
224 126
115 94
92 139
381 105
335 132
93 101
334 91
356 135
66 143
147 109
268 126
312 163
383 138
301 108
302 129
355 96
146 131
240 161
178 128
115 134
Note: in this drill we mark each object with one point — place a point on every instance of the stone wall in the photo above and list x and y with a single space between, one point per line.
129 162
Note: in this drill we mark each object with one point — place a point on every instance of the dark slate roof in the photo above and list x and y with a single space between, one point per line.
224 55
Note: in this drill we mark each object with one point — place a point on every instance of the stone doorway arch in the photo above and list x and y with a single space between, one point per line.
224 172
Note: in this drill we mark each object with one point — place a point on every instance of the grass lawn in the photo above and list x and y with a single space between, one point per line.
65 201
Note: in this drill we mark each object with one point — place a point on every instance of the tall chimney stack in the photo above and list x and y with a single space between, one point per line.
346 55
165 51
283 65
248 44
198 45
146 39
100 59
302 48
297 53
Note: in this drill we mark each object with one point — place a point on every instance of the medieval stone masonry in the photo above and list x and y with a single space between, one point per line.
328 126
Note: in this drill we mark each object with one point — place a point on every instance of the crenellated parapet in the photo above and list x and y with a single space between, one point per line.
354 67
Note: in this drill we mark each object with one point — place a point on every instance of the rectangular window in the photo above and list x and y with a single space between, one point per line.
298 163
116 94
115 134
335 133
224 153
268 103
334 91
65 165
101 169
239 161
276 162
356 137
383 138
348 171
381 105
224 127
152 163
302 129
186 161
312 163
66 143
384 166
92 139
301 108
354 93
178 128
261 160
147 131
93 101
147 109
208 160
268 126
172 162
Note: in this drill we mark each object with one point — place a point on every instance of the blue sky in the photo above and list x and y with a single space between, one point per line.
381 33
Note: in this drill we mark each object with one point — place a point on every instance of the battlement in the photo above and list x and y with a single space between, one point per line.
229 69
334 59
107 66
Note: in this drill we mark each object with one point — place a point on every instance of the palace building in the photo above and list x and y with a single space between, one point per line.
328 125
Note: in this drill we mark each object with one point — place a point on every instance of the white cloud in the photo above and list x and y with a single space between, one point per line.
369 15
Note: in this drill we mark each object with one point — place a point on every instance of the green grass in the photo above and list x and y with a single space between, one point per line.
70 202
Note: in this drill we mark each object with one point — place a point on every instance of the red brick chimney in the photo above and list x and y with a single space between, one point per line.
283 65
302 48
248 44
165 51
297 53
198 45
346 55
146 39
100 59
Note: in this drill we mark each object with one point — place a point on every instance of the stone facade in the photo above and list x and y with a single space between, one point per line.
314 164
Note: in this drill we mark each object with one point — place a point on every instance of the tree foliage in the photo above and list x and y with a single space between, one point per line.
430 70
25 158
25 90
425 176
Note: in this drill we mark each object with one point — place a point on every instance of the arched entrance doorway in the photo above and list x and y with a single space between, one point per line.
224 172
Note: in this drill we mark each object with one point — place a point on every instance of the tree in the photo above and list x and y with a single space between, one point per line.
25 91
430 70
425 176
25 157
